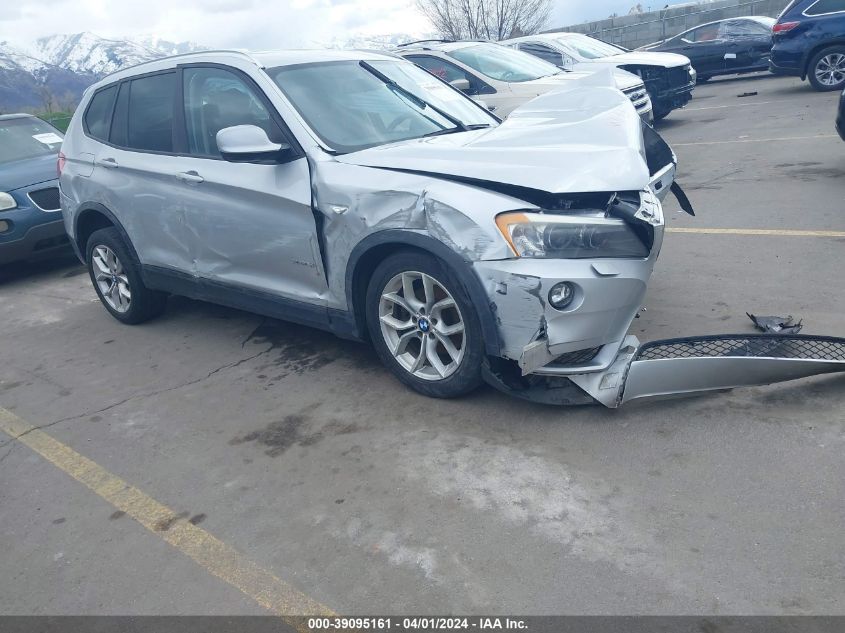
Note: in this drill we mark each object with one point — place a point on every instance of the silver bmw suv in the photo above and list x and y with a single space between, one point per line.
357 193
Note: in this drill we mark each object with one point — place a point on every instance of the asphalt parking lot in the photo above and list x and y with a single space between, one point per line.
233 464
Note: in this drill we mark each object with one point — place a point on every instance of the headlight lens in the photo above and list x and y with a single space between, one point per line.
569 237
7 201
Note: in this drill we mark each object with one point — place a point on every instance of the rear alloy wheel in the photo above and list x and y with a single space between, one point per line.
827 69
423 326
111 279
117 279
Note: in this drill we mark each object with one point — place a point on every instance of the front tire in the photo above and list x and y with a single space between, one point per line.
826 70
423 326
117 279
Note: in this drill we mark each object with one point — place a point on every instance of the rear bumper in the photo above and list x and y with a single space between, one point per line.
788 71
42 240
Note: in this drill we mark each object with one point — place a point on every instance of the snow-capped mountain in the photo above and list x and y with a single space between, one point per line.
90 53
64 65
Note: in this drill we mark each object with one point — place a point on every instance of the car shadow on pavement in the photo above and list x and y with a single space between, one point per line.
60 266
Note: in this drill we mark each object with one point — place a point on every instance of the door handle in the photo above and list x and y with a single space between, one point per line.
190 177
111 163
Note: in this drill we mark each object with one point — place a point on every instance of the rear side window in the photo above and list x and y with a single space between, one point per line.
150 116
98 114
825 6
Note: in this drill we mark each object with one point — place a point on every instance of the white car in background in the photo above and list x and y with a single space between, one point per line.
503 78
669 78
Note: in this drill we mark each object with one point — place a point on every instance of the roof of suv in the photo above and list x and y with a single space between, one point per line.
261 59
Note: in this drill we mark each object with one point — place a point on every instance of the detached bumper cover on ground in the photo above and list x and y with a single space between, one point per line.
689 366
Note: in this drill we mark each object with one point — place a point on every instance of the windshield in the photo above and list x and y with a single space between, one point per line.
584 47
27 137
503 63
351 108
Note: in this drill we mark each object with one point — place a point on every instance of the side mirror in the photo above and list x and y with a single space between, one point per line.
460 84
249 144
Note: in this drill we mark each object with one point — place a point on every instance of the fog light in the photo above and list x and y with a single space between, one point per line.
561 295
4 226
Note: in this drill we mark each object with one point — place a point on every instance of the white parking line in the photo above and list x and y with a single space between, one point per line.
759 140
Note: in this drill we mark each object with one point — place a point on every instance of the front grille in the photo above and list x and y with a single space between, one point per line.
46 199
752 345
638 96
679 77
577 357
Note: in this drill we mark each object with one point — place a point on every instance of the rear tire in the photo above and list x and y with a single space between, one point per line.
423 325
117 280
826 70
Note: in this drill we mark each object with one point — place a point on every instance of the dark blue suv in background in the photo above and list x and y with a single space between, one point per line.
809 42
30 215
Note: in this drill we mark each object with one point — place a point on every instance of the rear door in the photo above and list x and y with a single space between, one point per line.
749 44
252 224
134 166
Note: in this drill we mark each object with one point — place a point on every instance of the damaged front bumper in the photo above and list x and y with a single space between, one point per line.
685 367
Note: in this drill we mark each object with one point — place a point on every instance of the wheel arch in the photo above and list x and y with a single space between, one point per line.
93 217
815 50
374 248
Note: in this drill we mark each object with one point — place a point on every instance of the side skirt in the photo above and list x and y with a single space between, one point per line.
264 303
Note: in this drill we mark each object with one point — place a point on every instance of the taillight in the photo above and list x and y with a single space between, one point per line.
60 164
783 27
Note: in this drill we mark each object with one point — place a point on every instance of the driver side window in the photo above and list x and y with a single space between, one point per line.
215 99
545 53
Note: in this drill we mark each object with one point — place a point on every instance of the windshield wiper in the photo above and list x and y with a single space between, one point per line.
452 130
422 103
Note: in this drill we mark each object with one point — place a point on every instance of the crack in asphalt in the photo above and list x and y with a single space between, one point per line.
157 392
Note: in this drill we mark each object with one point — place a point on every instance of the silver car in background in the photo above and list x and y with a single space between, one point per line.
356 193
504 78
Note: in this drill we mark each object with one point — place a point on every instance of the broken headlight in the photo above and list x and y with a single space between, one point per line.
570 237
7 201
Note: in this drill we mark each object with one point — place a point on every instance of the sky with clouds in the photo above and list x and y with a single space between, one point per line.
252 24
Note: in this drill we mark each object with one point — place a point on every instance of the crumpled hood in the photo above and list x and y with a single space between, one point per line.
642 58
581 139
30 171
611 76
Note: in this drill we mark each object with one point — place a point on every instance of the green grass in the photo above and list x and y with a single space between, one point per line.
59 120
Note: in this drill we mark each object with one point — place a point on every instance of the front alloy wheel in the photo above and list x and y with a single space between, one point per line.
422 325
111 279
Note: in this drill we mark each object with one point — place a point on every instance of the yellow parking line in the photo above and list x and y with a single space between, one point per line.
212 554
777 232
758 140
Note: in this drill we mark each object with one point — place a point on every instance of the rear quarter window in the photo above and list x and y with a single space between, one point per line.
99 113
825 6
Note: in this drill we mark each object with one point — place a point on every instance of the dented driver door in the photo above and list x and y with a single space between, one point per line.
252 224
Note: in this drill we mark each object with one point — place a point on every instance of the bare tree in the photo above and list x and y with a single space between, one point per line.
48 99
67 101
485 19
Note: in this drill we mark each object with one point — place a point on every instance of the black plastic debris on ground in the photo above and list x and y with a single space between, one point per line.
748 94
776 324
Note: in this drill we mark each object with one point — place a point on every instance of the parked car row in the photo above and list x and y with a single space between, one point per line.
807 40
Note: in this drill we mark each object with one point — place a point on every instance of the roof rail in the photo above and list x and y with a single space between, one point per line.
424 41
235 51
